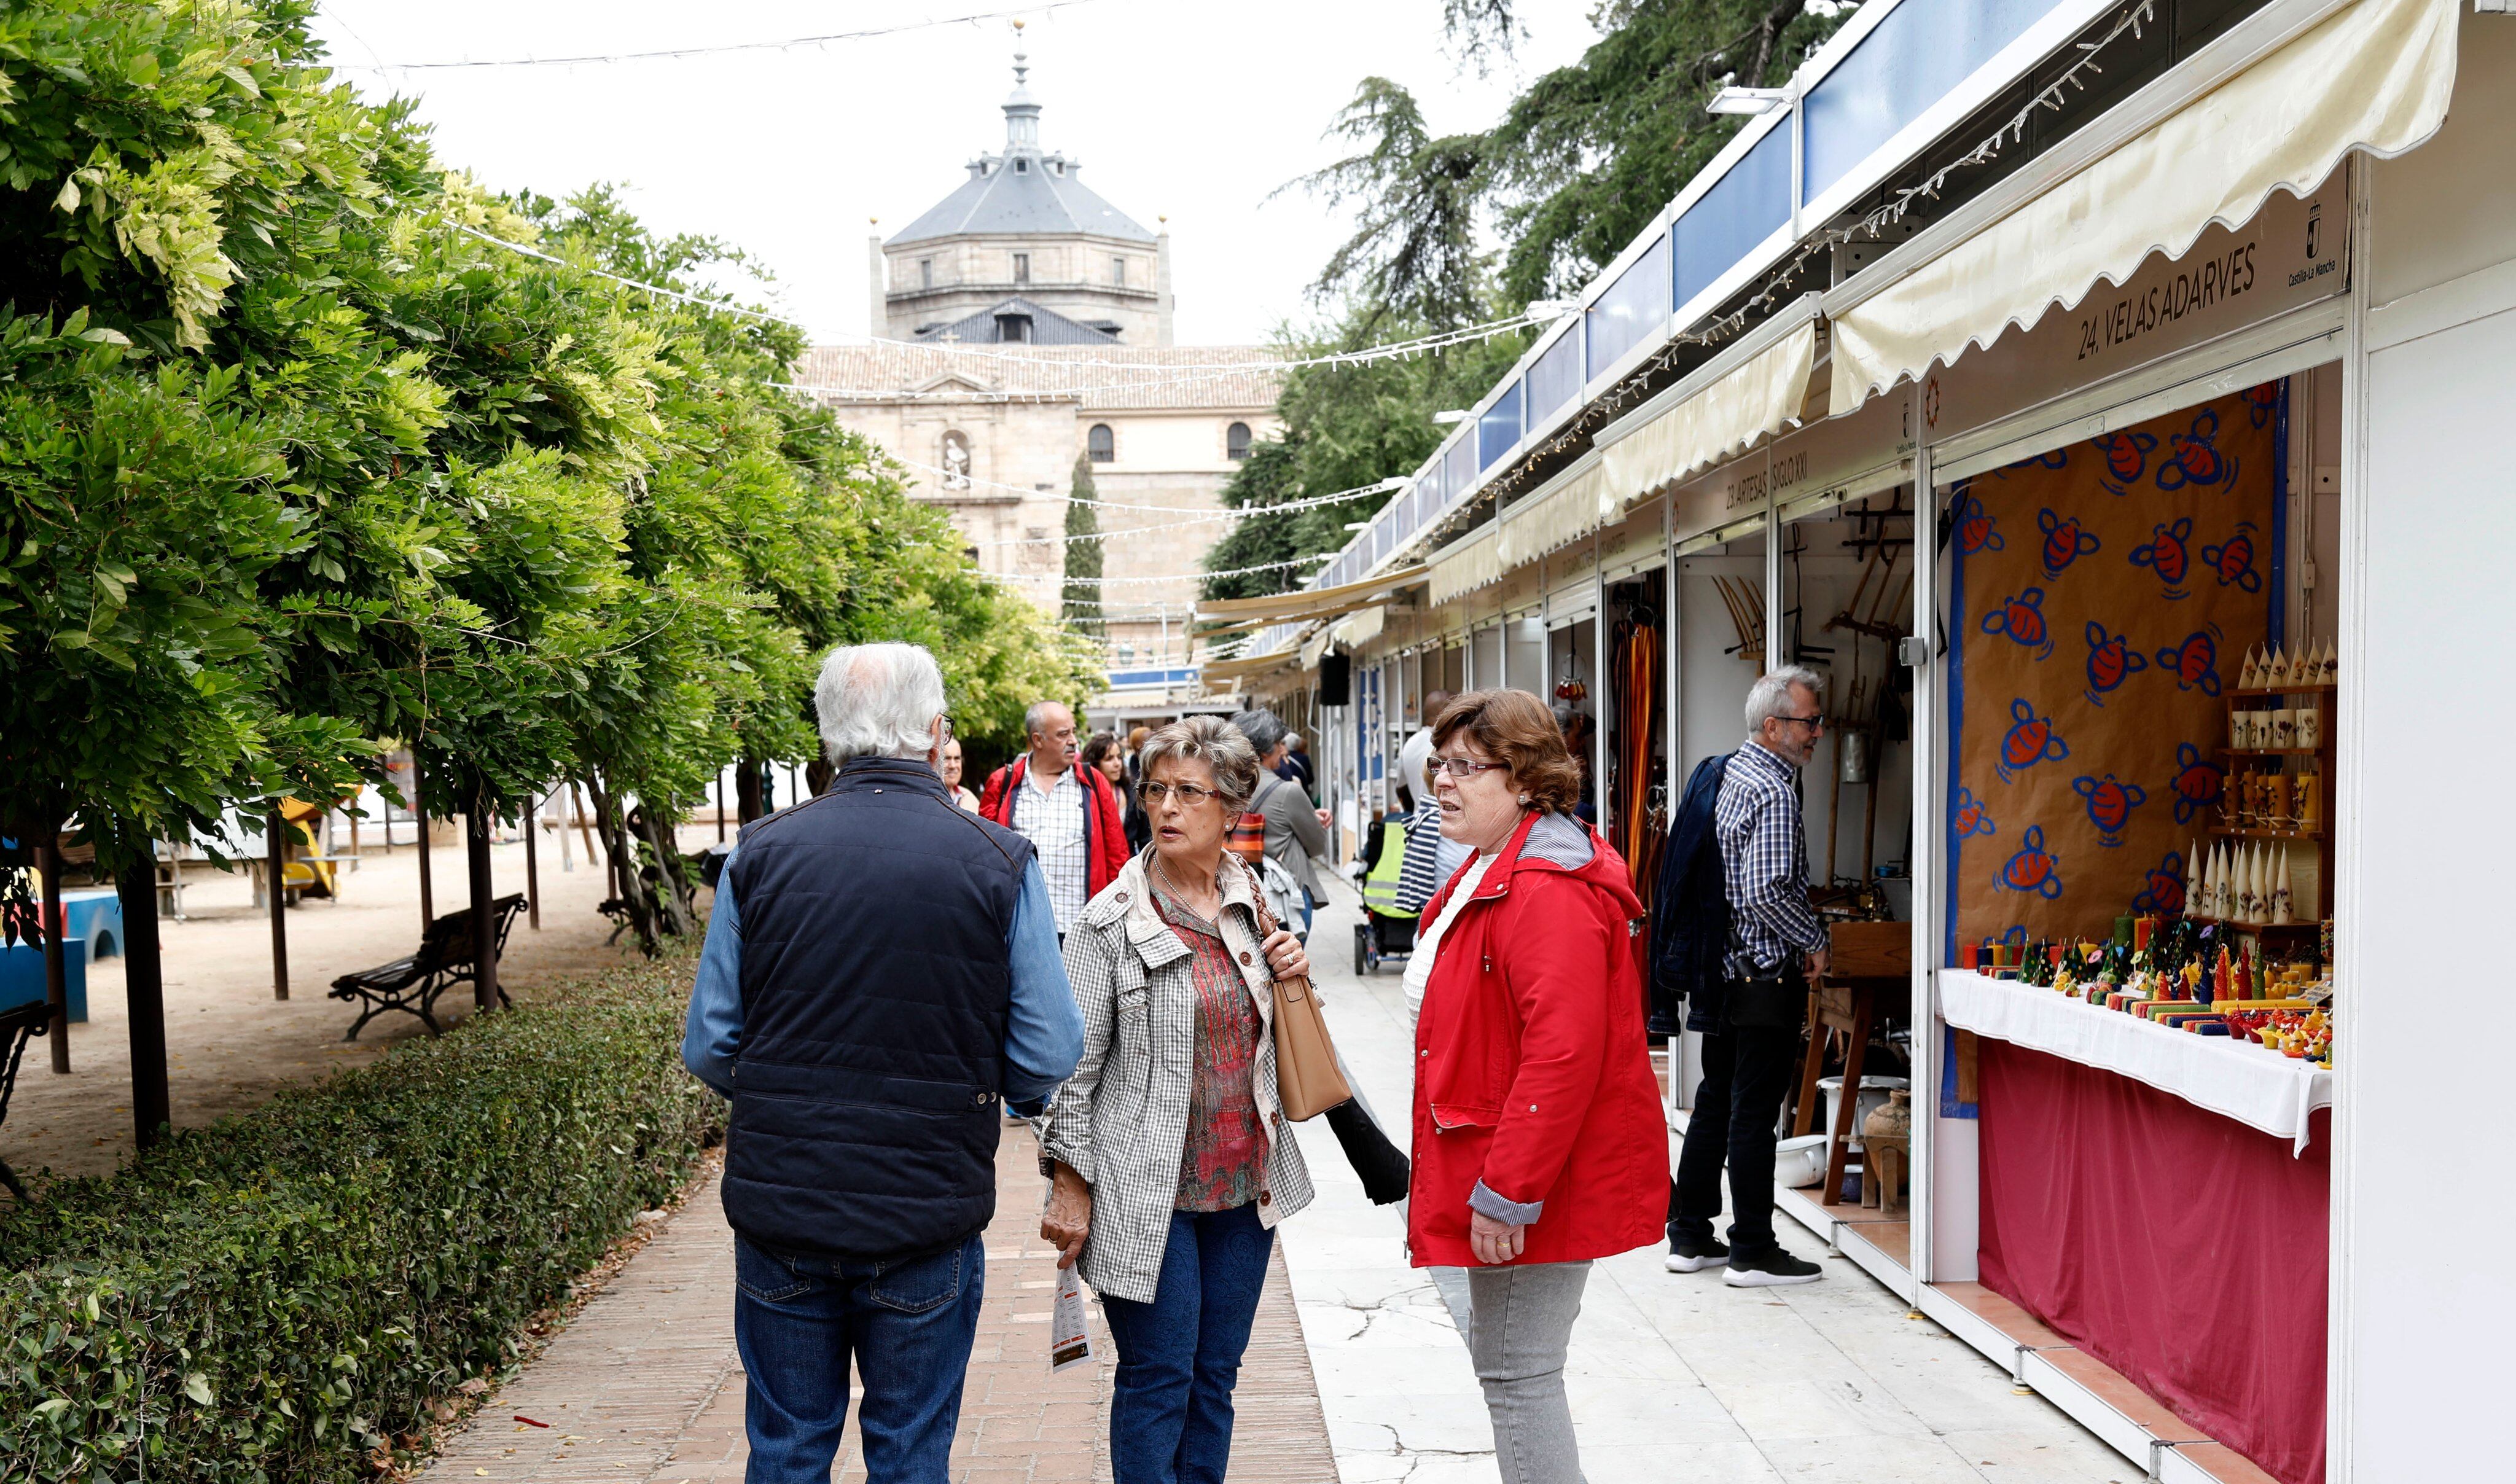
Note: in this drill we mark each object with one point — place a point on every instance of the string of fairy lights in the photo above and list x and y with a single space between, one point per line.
952 478
1156 376
1870 227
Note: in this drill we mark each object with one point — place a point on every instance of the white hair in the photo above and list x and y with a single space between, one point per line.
1771 695
878 701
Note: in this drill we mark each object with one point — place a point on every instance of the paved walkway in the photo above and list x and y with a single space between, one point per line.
1357 1371
1672 1377
645 1386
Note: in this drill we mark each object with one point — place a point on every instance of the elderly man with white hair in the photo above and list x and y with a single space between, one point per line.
881 972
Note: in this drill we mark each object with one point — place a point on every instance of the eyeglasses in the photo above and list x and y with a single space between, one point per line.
1190 794
1812 723
946 717
1464 768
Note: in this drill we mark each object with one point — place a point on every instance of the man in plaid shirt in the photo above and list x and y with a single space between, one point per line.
1776 944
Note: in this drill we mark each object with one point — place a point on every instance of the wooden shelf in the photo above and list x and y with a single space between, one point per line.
2257 927
2316 836
2273 751
2325 689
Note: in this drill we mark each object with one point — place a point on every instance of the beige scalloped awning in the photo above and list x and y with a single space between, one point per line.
1581 505
2375 77
1310 602
1759 397
1465 566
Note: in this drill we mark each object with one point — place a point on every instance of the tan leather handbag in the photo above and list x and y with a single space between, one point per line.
1308 1081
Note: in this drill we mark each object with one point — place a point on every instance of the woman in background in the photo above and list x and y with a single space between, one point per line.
1103 753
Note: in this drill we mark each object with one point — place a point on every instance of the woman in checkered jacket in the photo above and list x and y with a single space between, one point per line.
1170 1158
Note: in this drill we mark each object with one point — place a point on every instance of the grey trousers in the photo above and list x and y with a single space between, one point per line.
1519 1324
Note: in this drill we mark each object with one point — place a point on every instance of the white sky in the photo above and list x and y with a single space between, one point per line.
1185 107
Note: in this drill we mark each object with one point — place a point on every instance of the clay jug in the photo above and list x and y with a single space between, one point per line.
1890 1120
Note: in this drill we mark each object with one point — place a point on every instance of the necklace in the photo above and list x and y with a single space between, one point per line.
1164 872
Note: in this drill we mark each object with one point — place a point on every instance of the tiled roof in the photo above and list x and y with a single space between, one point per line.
1021 191
1047 327
1115 378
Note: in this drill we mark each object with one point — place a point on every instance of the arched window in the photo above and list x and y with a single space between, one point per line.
1235 440
1101 444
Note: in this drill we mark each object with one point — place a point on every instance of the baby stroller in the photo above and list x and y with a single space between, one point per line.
1385 933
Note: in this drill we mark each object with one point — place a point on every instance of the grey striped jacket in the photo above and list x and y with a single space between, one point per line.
1120 1121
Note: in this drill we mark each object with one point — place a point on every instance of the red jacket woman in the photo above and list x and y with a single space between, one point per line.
1538 1139
1533 1076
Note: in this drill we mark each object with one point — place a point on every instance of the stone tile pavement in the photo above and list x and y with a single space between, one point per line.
1672 1377
644 1388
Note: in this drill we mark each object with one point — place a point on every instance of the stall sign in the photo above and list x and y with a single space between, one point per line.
1824 463
2290 254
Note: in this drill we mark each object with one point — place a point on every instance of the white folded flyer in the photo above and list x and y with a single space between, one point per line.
1069 1339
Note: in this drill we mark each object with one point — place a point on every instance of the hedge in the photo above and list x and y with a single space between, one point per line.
280 1297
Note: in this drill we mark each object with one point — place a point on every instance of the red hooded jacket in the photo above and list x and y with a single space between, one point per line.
1104 829
1533 1074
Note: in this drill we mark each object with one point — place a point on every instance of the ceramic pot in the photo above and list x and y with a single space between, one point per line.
1890 1119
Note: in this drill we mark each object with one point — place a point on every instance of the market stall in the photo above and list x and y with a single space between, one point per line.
2194 414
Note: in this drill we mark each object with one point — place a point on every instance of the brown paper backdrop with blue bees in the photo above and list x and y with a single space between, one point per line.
2105 595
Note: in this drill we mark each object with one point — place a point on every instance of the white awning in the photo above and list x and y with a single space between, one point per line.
1573 509
1717 411
2373 76
1465 566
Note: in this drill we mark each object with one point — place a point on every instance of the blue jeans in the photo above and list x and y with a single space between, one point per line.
1170 1408
799 1319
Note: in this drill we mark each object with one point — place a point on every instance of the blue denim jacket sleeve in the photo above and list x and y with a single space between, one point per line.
1044 1034
715 1025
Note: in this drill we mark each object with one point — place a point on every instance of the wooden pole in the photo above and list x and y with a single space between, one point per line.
57 982
419 816
275 865
533 865
145 984
484 921
719 786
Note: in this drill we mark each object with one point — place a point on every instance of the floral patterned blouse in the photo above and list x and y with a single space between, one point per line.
1224 1156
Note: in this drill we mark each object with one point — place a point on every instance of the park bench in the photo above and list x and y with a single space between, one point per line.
414 984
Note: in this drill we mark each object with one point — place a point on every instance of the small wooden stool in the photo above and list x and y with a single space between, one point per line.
1884 1163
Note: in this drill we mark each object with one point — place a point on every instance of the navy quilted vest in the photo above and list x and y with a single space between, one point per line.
875 990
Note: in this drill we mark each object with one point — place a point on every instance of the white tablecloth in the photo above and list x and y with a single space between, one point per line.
2252 1083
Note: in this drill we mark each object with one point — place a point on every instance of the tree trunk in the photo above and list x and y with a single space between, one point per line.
817 776
419 816
57 982
746 789
145 984
630 884
676 904
275 842
484 891
533 865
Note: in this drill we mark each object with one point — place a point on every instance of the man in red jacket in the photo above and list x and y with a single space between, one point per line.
1069 814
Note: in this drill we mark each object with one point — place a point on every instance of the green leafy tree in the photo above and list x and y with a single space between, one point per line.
1344 427
1577 166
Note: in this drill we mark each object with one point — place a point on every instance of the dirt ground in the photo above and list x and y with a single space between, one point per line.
230 1044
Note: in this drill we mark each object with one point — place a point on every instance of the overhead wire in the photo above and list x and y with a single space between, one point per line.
664 53
1306 502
